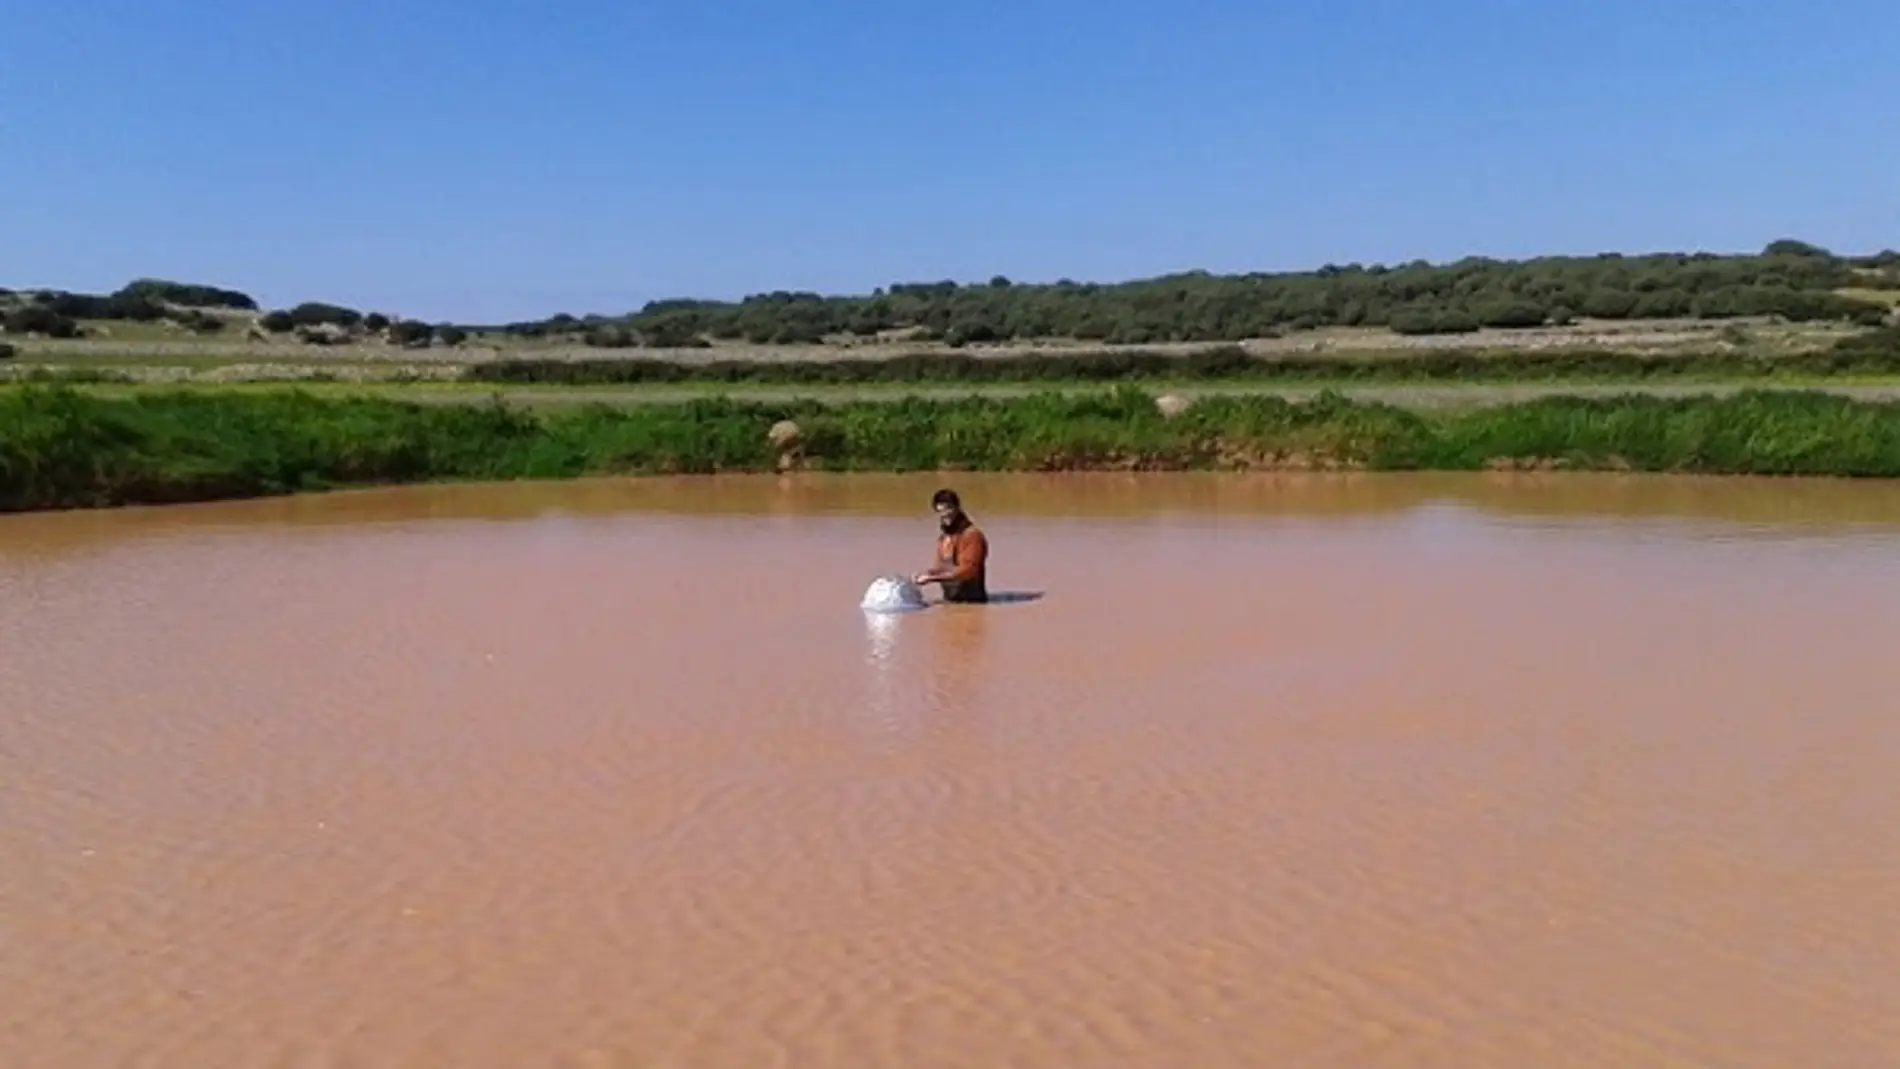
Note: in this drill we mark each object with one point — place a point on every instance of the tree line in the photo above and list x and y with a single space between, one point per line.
1789 279
63 314
318 322
59 313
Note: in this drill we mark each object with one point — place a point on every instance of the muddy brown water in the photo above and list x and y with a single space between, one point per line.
1300 770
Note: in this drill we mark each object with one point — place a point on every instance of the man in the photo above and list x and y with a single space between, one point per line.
963 553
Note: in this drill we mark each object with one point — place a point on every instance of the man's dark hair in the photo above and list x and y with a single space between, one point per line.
945 497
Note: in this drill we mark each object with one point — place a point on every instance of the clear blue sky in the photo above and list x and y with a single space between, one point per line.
485 160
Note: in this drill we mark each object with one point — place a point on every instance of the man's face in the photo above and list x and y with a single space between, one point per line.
946 516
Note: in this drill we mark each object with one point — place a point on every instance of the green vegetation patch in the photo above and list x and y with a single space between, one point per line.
1790 279
64 448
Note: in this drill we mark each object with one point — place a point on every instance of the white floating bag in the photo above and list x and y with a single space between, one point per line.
893 593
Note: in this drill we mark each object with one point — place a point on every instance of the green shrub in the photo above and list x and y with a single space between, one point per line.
63 448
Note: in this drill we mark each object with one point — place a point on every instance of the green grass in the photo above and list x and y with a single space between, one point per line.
65 448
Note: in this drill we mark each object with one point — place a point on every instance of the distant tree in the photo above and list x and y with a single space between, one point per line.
451 335
376 321
200 322
72 305
1512 314
1426 321
313 313
7 351
1414 322
410 333
975 333
609 338
41 319
1723 304
279 322
1606 303
1791 247
137 309
1663 304
92 306
672 330
187 295
320 334
798 334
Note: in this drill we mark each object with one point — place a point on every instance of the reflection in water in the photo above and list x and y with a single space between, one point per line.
1342 772
880 628
924 667
881 665
953 685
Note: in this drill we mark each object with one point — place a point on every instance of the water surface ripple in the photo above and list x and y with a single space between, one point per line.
1298 770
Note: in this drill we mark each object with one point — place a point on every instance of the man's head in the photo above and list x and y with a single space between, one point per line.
949 509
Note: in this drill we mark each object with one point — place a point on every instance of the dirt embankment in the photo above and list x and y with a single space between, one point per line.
1643 336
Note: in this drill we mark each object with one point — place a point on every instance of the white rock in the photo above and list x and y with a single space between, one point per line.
785 434
1172 404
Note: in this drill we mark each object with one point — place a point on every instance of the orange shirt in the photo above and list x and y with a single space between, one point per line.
966 555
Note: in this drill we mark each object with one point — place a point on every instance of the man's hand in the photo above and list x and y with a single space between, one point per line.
925 578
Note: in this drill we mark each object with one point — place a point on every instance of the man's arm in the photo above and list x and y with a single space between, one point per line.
973 548
929 576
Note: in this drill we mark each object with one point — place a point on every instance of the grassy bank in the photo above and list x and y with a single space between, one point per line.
62 448
1874 353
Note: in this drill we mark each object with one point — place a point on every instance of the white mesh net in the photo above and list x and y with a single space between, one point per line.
892 593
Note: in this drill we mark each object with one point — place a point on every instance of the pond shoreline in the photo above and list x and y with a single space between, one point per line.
64 448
